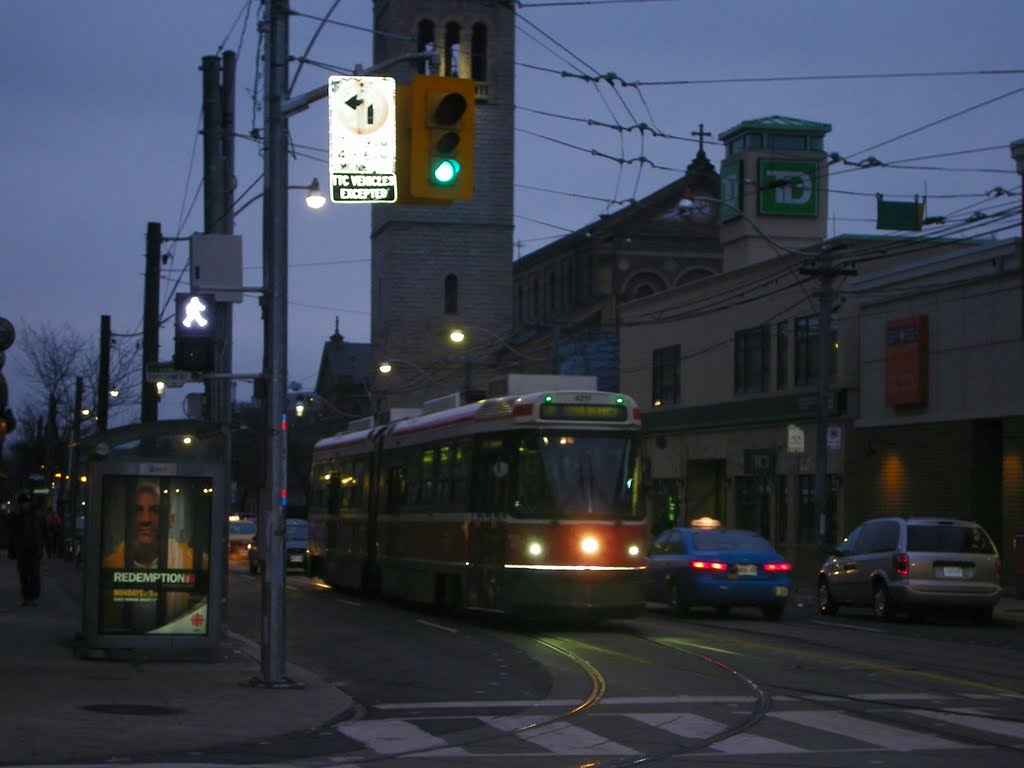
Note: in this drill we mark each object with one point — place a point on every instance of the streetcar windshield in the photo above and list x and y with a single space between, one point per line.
572 475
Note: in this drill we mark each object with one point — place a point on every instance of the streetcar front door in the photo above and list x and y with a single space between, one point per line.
487 513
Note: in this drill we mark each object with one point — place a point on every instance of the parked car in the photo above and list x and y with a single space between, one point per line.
708 565
296 543
913 564
240 533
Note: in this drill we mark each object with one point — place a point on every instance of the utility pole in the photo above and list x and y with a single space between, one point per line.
218 186
103 384
275 319
151 320
826 273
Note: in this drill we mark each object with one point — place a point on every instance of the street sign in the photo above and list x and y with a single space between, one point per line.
794 439
168 374
362 147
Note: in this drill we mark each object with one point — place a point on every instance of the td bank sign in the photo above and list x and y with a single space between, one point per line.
788 187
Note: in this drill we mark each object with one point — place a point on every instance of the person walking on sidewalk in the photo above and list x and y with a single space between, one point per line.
27 543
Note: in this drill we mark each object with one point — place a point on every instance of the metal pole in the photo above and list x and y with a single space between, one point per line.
103 386
151 319
821 491
275 275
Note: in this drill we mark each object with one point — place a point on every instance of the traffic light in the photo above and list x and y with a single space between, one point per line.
442 114
194 332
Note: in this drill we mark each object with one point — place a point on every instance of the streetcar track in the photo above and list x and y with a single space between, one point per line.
821 652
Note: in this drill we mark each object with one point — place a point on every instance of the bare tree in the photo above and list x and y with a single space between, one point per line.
53 358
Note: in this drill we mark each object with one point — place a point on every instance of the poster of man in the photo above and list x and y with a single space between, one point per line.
155 568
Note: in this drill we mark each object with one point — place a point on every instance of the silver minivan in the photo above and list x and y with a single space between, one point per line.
914 564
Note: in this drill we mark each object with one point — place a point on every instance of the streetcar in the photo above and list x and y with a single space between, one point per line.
523 504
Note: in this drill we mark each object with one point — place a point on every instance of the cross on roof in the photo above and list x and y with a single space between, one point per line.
700 134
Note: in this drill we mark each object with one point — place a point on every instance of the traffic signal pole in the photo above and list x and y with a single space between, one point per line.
275 319
277 108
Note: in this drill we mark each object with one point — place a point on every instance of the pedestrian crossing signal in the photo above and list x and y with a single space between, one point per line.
442 116
194 332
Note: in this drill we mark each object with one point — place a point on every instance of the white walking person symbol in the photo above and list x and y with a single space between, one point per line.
194 313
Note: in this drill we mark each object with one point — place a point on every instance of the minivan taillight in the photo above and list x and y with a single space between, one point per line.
901 563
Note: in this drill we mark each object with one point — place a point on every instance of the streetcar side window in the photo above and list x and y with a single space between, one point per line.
358 480
460 472
396 489
428 476
412 477
530 497
444 473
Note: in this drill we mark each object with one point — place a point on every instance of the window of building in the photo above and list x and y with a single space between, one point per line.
665 383
425 43
751 360
451 295
784 142
805 352
782 354
478 53
452 49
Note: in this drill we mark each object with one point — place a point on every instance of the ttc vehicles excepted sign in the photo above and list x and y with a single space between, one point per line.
362 146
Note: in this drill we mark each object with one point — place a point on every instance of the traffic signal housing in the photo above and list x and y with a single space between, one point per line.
442 117
194 332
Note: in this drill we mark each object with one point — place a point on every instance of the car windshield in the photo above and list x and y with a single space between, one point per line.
729 541
296 531
949 538
242 528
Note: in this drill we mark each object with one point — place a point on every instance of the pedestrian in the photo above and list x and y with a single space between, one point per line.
53 532
27 543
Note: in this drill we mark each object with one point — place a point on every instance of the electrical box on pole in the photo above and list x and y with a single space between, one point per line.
442 115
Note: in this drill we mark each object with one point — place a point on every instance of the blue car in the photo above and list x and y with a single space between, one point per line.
711 566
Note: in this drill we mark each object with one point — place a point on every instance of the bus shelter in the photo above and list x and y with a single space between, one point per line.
154 551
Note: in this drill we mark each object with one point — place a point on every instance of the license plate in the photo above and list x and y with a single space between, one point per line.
953 572
781 591
295 559
746 570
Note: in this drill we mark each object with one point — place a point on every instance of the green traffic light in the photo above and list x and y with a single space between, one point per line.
445 172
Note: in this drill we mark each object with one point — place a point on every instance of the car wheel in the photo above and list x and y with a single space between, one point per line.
676 601
826 604
772 611
882 604
982 615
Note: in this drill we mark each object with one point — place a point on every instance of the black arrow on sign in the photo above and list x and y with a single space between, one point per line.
355 102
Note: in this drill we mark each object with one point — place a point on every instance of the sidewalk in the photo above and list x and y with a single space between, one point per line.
57 707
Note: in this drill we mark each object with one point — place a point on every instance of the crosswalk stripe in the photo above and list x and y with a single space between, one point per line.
392 737
868 731
561 738
692 726
976 722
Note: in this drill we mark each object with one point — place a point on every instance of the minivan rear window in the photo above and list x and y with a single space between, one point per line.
949 538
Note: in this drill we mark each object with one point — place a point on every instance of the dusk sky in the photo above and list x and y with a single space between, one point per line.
100 135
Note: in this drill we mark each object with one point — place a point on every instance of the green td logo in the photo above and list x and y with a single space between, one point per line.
788 187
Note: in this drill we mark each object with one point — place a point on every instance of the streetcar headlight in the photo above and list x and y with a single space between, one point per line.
589 545
633 550
535 549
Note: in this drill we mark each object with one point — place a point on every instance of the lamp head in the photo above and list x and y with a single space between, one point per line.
314 197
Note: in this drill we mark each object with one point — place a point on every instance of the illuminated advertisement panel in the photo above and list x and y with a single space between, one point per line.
155 540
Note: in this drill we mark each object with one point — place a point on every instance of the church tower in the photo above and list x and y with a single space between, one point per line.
439 267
